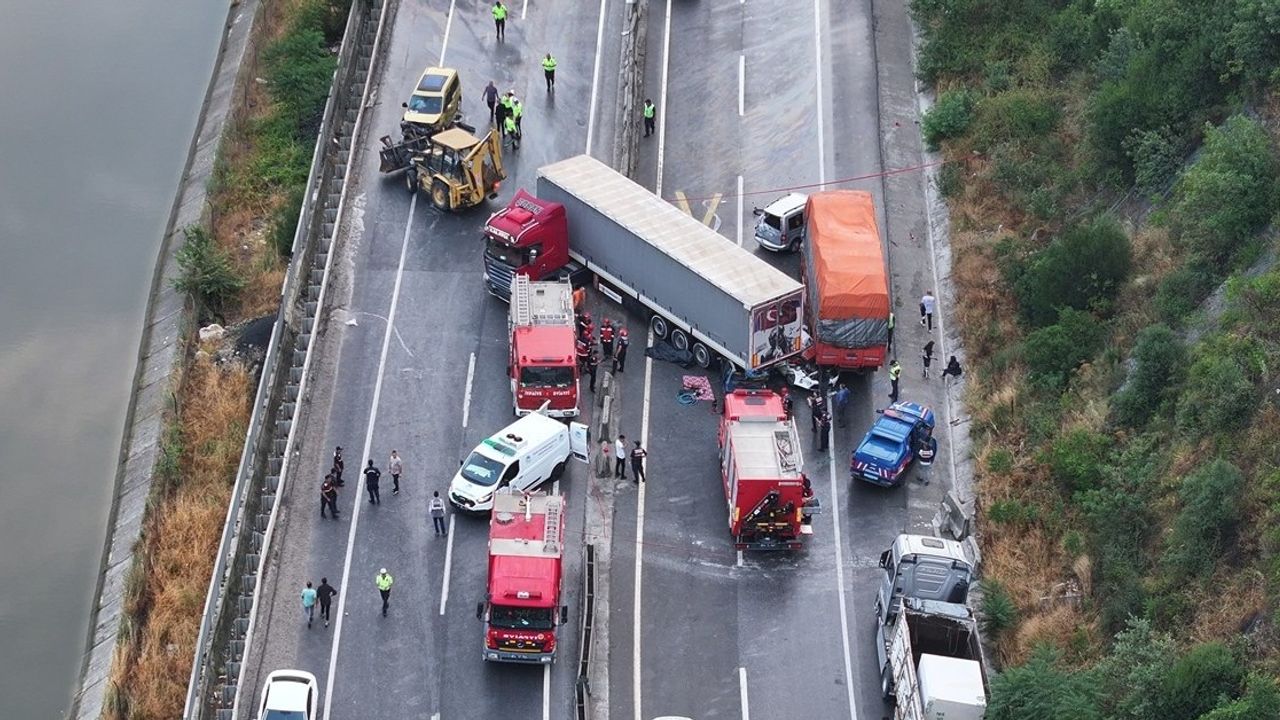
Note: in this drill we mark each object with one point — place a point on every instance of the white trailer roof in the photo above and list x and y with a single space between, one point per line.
766 450
736 271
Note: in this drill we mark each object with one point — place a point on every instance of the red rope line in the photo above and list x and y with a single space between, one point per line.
839 181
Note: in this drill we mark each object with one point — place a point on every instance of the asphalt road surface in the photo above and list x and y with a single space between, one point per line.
753 98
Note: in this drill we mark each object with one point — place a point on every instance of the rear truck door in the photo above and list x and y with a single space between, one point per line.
906 691
579 441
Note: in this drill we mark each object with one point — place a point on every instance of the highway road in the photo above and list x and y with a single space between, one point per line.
753 97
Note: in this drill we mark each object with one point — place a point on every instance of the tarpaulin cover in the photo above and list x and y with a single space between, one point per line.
844 270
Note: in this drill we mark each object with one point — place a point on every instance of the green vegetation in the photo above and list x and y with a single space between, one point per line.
1119 299
206 274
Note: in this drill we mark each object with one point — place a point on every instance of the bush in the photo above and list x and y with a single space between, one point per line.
1156 157
1043 691
1078 460
1182 290
948 118
284 224
1132 676
1053 352
1012 512
999 614
1081 269
1013 115
1158 364
205 273
1219 394
1261 701
1113 64
1200 681
1207 523
1119 520
1229 193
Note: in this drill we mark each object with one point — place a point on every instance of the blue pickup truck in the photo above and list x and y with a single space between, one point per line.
889 446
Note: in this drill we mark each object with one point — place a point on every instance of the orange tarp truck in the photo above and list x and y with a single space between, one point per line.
847 309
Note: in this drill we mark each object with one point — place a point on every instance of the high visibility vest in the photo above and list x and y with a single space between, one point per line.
499 12
517 109
894 371
549 64
606 333
384 581
510 122
505 101
649 109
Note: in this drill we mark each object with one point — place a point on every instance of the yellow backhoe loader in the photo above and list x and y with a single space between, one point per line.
457 169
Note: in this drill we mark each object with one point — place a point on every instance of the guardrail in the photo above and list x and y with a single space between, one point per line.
582 688
230 606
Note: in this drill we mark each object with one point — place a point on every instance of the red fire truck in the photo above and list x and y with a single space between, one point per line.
770 501
542 363
526 540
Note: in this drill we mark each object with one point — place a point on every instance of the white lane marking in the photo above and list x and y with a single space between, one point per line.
662 98
817 64
742 691
739 558
739 211
448 563
435 716
635 605
546 692
844 613
595 80
742 84
448 24
524 10
466 397
368 446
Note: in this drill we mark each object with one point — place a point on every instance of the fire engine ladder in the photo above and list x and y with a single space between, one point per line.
551 526
521 304
768 502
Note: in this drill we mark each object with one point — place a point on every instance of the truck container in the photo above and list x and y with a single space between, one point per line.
761 465
847 308
927 642
700 291
541 359
526 547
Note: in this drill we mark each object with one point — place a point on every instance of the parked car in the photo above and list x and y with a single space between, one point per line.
888 447
435 100
289 695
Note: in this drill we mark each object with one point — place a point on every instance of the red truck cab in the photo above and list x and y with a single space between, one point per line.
768 497
527 237
522 611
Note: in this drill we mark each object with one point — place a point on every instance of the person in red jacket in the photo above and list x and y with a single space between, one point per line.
606 337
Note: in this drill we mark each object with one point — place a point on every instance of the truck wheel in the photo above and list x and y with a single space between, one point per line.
558 470
659 326
886 685
701 355
794 246
411 180
679 340
440 194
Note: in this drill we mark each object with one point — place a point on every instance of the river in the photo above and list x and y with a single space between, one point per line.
100 102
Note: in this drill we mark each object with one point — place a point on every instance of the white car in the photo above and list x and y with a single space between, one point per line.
289 695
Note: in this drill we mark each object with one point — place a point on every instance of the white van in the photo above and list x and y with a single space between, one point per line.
523 455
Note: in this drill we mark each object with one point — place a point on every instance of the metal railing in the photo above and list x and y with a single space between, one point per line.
582 688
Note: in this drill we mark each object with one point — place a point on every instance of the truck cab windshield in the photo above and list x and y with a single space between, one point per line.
560 377
521 618
482 470
507 255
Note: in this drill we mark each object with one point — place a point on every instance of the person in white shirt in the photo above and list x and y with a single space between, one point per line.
437 514
620 457
928 303
395 467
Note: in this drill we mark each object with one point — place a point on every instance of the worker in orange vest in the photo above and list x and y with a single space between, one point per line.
606 337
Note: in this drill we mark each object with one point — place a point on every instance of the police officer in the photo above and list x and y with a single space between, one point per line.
824 429
649 112
371 476
517 111
606 337
512 131
593 362
895 370
329 497
338 466
500 19
620 358
504 111
384 581
924 457
549 70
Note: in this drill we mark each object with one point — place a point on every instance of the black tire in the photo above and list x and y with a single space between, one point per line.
440 194
659 326
679 339
886 685
794 246
558 470
702 355
411 180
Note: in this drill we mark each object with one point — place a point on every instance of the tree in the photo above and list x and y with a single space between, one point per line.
1158 358
1041 690
1081 269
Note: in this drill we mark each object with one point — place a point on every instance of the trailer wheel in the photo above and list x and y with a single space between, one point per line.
679 339
411 180
701 355
886 685
659 326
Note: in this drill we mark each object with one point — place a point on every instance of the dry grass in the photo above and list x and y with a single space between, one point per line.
182 531
1062 626
1214 619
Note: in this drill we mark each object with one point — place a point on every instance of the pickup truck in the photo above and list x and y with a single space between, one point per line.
889 446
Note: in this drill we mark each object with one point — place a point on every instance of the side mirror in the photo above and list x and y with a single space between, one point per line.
757 211
564 614
460 462
479 610
884 558
404 105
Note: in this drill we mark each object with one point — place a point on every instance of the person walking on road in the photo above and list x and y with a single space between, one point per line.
637 463
338 466
329 497
437 514
549 71
892 320
926 358
895 370
371 476
842 402
928 303
924 458
325 594
500 20
620 457
491 99
395 466
620 357
649 112
309 603
384 581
